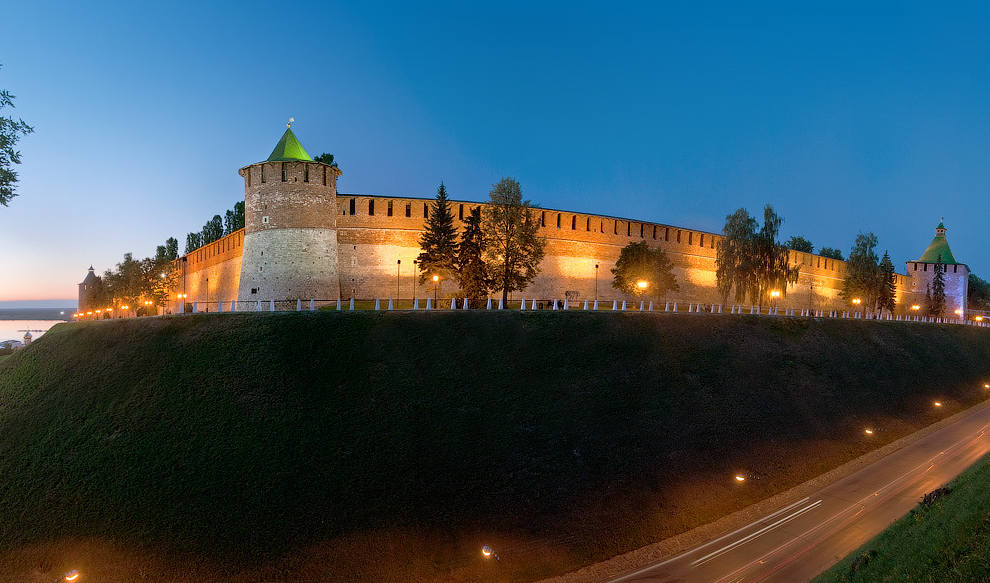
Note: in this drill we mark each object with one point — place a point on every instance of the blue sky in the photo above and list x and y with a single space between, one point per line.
845 118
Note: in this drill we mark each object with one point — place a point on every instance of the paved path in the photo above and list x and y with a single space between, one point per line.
799 541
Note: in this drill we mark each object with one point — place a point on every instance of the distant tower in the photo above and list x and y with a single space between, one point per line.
955 274
290 226
87 290
27 338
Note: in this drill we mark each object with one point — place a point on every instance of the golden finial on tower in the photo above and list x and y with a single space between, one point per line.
291 119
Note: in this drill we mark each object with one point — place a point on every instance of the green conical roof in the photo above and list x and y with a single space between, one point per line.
939 247
289 148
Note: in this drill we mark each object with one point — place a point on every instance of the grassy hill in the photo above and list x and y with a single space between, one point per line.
392 446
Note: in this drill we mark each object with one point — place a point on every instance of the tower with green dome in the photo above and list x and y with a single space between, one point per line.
956 276
290 226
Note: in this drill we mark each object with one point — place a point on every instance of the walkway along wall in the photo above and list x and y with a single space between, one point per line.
378 240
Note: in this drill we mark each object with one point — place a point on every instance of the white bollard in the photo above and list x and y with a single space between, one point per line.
522 306
220 307
312 305
298 305
428 300
641 305
489 306
453 303
555 304
338 304
565 304
259 305
465 304
390 305
378 304
352 304
596 305
623 305
615 305
195 307
651 305
416 304
585 304
690 306
271 305
501 306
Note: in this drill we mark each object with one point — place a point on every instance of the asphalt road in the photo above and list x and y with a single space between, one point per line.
799 541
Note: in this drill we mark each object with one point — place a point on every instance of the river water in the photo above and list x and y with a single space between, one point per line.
37 320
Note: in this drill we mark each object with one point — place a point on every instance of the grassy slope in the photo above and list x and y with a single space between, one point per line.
394 445
946 542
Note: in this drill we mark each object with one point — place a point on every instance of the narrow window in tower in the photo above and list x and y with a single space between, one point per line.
371 208
641 227
916 267
353 202
690 236
701 240
262 173
574 223
249 177
926 267
615 227
628 229
389 208
324 176
543 218
601 226
283 171
306 174
666 234
426 211
654 232
558 220
460 212
587 226
408 209
678 235
955 269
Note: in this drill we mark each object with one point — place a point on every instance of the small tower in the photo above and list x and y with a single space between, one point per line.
87 289
27 338
290 226
954 274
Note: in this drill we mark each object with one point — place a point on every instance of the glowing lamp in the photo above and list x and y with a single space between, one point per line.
740 478
642 284
436 278
72 575
869 432
937 404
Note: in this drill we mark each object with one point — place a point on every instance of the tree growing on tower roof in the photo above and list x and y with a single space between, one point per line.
438 243
514 247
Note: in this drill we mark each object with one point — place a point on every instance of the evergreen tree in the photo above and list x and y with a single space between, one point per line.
514 247
212 230
438 241
937 303
11 130
470 259
326 159
638 263
888 286
193 242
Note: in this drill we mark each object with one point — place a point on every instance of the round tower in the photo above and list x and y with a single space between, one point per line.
290 227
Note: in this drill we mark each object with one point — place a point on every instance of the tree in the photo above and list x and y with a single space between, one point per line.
470 259
830 253
160 277
978 294
514 247
213 230
167 252
936 307
193 242
11 130
438 243
733 255
800 244
750 262
886 299
644 271
326 159
127 284
233 219
864 279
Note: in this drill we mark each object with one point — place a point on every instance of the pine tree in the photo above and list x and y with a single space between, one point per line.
470 262
937 304
888 286
438 241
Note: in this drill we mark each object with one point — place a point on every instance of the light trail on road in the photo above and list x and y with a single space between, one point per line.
797 542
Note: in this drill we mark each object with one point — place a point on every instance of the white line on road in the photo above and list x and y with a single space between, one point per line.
756 534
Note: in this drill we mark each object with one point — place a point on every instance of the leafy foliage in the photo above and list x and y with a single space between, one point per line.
638 263
193 242
438 243
233 219
831 253
978 294
11 131
864 279
514 247
798 243
471 271
753 263
326 159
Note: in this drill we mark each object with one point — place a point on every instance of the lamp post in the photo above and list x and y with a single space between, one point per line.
72 575
857 302
773 298
398 263
415 265
641 286
811 297
596 282
436 287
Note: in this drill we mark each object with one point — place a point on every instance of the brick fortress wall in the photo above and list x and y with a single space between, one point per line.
378 239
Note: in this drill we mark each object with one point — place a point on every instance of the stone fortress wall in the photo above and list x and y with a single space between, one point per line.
304 241
378 240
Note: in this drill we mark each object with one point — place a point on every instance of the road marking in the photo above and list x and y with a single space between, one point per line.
756 534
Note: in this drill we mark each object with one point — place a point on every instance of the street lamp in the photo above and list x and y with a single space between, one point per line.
641 286
398 262
436 287
773 297
857 301
488 552
596 282
415 266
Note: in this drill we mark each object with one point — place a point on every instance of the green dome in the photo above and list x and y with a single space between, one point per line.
938 249
289 149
